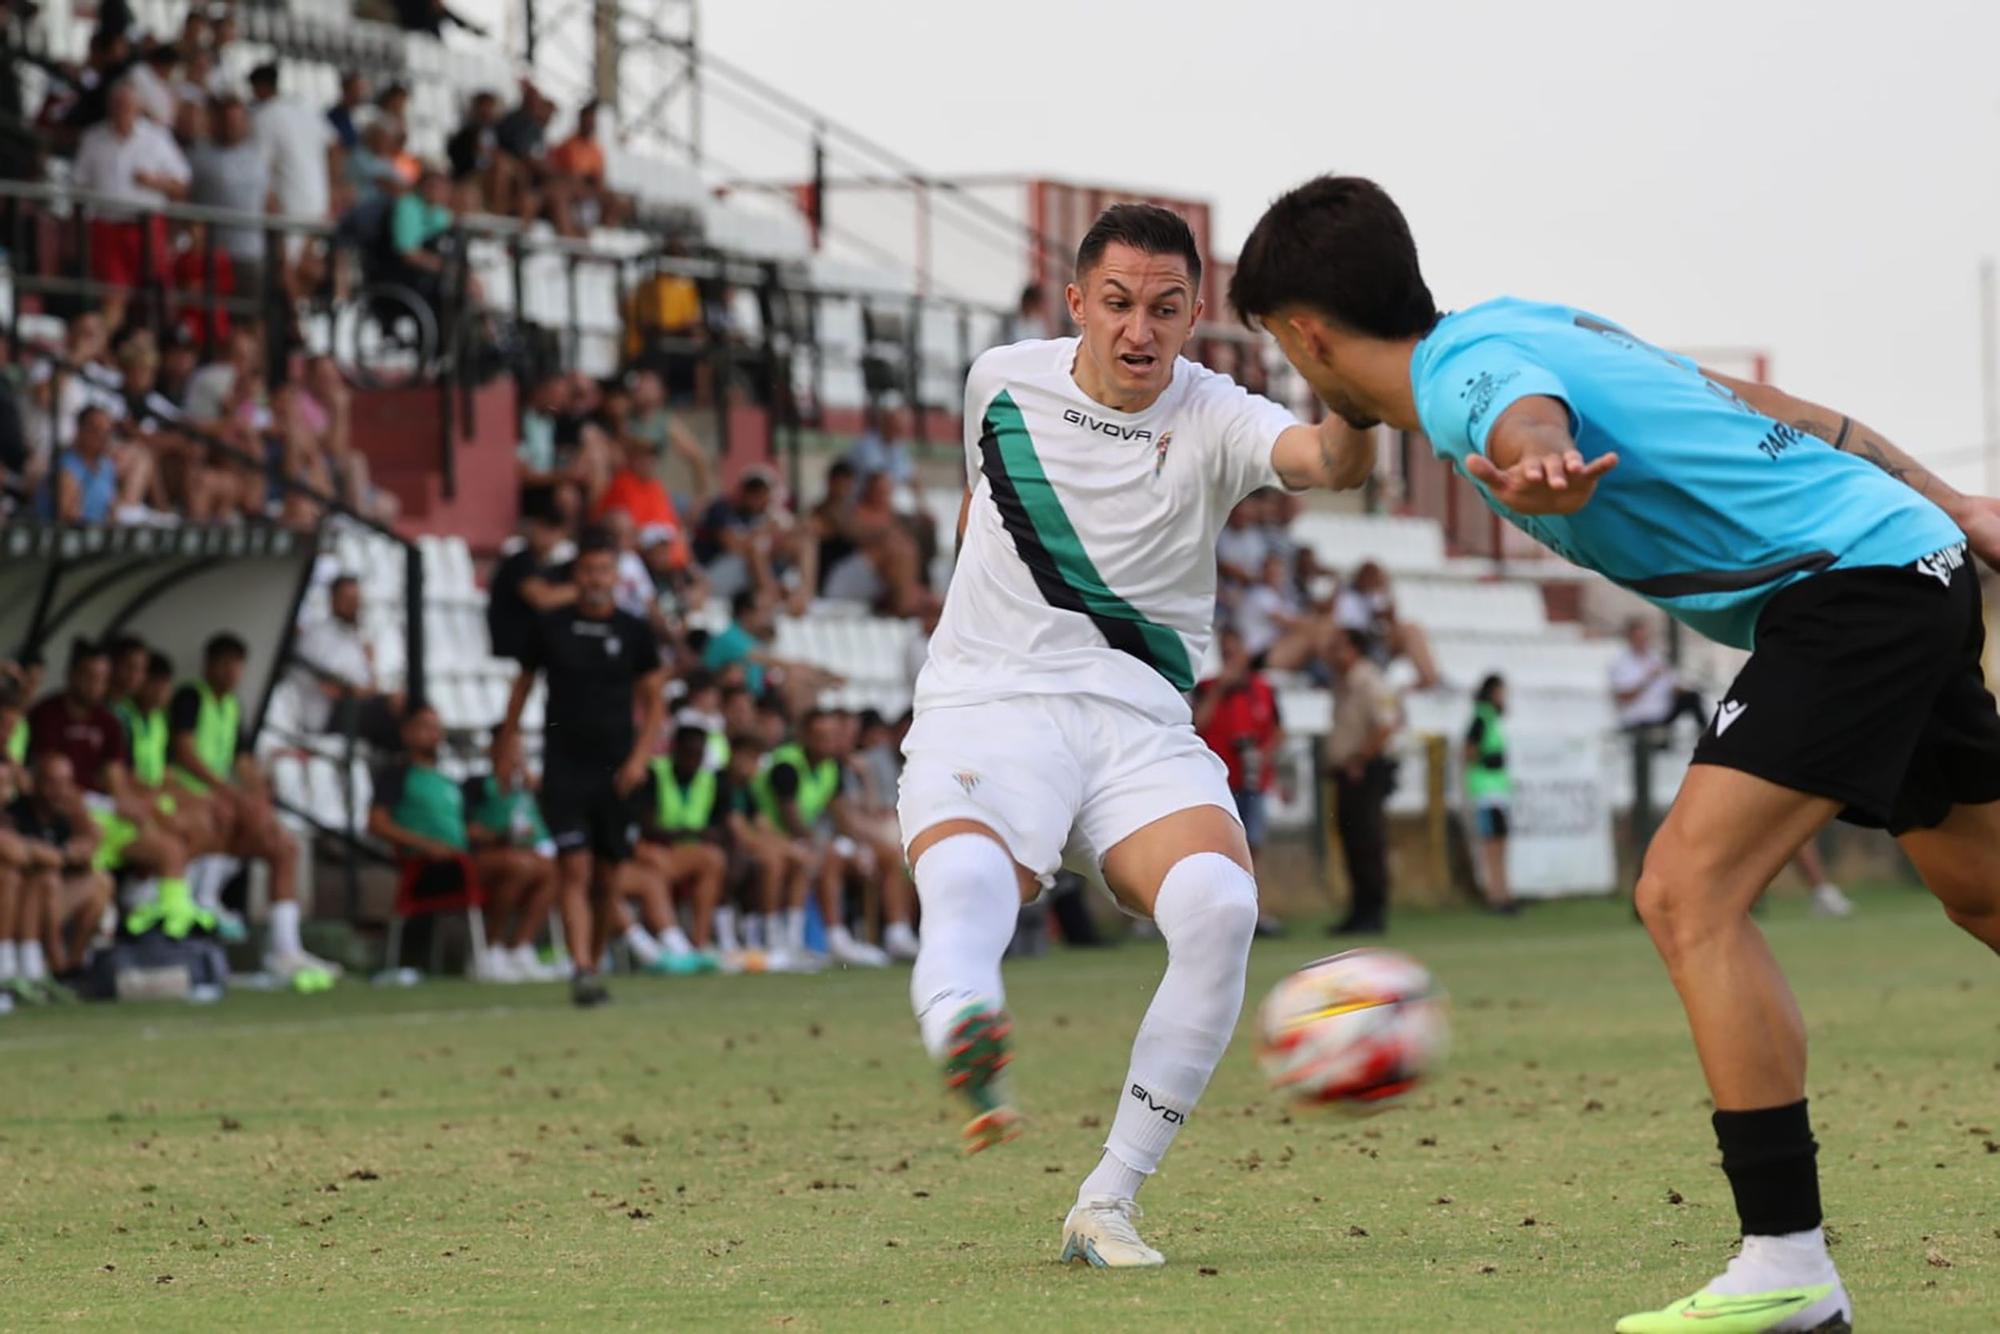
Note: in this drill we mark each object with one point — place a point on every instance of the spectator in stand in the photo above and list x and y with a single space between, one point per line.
98 480
747 642
797 792
300 146
422 233
1276 629
672 443
182 482
874 765
211 757
1030 318
531 581
106 61
425 817
579 160
370 170
1650 695
338 678
204 283
635 490
882 448
152 78
1645 686
473 150
664 328
1236 713
58 393
233 172
1367 607
1366 718
341 115
1488 789
179 360
745 540
431 16
523 132
135 164
893 543
190 128
206 398
1241 546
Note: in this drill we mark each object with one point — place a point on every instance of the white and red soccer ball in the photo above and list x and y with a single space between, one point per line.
1356 1030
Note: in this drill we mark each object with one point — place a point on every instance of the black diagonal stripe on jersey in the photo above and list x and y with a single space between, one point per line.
1124 635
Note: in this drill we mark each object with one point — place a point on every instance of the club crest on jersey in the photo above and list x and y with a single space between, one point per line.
1160 451
966 780
611 646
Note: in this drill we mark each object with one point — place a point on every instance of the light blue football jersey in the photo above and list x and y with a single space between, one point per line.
1713 507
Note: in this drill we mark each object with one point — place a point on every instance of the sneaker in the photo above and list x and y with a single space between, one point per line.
676 965
285 967
229 927
586 991
972 1067
844 948
1820 1308
498 965
1099 1233
531 968
899 941
1828 901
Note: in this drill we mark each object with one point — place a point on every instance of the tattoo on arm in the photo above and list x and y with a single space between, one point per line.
1867 447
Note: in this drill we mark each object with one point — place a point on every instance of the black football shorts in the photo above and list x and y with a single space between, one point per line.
1867 686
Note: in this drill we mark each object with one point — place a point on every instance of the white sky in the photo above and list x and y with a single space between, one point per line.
1819 179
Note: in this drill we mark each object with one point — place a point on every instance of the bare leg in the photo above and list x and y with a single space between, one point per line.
1494 851
1726 836
1960 863
538 897
576 884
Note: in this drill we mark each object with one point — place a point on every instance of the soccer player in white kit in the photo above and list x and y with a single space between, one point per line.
1052 712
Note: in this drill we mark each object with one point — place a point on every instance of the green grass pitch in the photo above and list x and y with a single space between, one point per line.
774 1152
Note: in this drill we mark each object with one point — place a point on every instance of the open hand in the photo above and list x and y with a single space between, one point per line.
1546 484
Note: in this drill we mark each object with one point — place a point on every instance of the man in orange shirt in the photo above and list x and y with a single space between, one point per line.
637 490
580 158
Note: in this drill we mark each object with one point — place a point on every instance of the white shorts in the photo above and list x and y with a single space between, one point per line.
1054 773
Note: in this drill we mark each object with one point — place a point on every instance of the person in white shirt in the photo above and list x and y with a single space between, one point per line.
1367 607
153 80
135 165
1649 694
1051 717
299 143
1647 690
337 679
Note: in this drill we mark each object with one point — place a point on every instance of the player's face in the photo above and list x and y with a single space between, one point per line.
1135 311
90 679
596 578
1308 344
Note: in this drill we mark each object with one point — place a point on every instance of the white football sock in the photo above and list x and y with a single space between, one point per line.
10 961
970 897
1796 1259
644 948
725 930
793 937
673 940
285 928
34 968
1207 913
760 931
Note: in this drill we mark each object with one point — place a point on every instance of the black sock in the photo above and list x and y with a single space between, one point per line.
1768 1156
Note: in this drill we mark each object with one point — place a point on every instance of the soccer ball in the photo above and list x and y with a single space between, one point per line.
1356 1030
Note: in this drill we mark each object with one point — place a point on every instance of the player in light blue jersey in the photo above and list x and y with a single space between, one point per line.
1763 521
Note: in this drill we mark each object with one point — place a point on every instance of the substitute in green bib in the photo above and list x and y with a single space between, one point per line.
511 848
1489 790
682 828
208 752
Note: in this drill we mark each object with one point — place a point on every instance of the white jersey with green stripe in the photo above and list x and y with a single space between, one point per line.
1088 565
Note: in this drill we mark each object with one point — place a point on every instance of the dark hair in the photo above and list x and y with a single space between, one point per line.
265 76
539 505
28 659
839 468
1357 641
595 538
120 645
10 693
753 479
697 641
1144 227
87 411
697 680
159 667
340 580
224 645
687 734
745 599
1489 687
1339 246
1032 295
82 650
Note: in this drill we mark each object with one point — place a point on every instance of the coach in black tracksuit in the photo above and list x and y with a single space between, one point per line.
603 669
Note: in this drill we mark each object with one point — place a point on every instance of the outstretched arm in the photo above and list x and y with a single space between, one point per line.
1329 455
1978 516
1532 464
